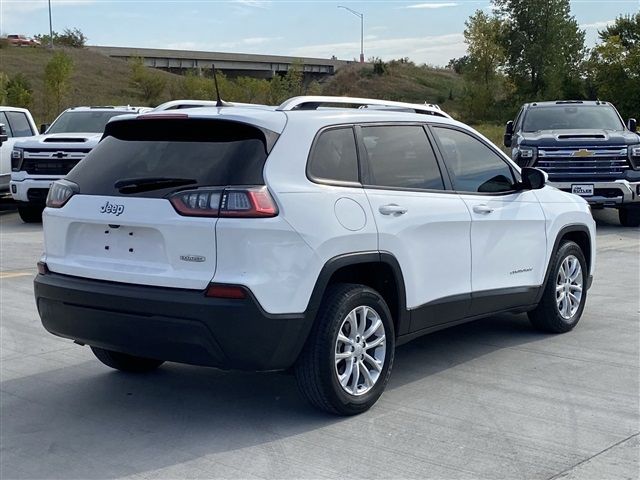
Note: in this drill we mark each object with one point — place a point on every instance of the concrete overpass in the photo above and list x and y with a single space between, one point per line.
232 64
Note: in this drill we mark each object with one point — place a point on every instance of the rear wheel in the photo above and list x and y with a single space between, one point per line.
125 362
346 362
30 214
565 292
629 216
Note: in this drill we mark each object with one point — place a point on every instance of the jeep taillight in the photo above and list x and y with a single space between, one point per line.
234 202
60 193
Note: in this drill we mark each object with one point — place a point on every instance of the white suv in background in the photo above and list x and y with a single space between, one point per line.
18 124
38 161
318 239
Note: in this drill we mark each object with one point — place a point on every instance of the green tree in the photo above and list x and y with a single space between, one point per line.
614 65
4 79
19 92
57 74
149 84
484 84
73 38
197 87
544 47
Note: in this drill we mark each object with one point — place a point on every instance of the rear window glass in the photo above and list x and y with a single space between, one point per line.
202 152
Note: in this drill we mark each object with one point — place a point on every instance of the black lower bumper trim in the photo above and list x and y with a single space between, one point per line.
169 324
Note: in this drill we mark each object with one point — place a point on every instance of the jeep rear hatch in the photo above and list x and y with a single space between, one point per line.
142 206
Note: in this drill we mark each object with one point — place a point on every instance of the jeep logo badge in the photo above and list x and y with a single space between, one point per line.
112 208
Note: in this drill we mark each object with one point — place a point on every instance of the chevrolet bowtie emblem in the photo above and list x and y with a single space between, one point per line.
583 152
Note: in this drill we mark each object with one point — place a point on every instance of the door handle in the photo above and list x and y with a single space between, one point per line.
392 209
482 208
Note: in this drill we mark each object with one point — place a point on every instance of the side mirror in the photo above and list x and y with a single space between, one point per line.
632 125
508 134
3 134
533 178
43 128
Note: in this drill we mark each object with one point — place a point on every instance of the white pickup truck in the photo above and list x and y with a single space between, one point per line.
39 161
18 123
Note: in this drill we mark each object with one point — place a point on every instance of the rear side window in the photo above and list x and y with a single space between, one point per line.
334 156
401 157
197 152
474 167
19 124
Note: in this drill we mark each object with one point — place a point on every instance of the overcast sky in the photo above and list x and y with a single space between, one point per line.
427 31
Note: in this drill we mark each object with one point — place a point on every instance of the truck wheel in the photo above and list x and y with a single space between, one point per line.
565 292
124 362
629 216
345 364
30 214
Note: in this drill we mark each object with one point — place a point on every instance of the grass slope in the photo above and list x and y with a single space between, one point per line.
96 79
404 82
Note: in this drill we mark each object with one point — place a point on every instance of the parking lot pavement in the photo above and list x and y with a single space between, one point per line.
490 399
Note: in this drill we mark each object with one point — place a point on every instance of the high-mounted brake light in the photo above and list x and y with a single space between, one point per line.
232 202
163 116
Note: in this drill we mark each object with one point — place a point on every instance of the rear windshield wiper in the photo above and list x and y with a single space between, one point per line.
146 184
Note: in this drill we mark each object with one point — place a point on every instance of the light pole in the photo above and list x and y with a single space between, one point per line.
50 28
361 16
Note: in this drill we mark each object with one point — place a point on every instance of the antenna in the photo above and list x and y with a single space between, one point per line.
219 101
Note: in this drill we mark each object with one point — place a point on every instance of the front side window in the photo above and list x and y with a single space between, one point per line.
19 124
334 156
473 166
401 157
82 122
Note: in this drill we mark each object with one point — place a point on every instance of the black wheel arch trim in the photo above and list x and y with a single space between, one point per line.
580 228
345 260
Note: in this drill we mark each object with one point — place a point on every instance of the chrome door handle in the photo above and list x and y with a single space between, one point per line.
482 209
392 209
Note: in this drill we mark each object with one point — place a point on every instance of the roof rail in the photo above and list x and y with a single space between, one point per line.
314 102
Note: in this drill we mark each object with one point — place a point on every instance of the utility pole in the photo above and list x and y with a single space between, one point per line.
361 17
50 28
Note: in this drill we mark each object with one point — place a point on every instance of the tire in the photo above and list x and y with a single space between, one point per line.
125 362
556 314
629 216
30 214
317 371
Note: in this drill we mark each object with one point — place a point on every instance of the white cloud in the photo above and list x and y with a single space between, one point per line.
601 24
253 3
432 5
248 42
433 50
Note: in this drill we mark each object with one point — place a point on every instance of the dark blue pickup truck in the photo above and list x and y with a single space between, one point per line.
585 148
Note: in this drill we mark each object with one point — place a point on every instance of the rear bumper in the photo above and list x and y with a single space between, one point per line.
607 194
169 324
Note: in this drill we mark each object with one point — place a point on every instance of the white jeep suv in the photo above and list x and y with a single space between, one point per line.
318 239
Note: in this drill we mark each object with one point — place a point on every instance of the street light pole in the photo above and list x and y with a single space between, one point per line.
50 28
361 16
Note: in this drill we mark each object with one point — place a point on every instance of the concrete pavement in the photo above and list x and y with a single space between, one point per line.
490 399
